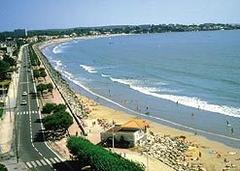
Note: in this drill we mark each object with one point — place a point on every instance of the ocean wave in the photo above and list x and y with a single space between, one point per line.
183 100
89 69
105 75
58 64
77 82
57 49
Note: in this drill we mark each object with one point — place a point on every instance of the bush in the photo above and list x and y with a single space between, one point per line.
1 112
48 108
2 167
99 158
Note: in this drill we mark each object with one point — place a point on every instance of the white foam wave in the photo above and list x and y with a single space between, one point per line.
89 69
58 64
184 100
75 81
57 49
105 75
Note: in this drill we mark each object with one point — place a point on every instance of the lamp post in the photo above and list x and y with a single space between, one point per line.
113 133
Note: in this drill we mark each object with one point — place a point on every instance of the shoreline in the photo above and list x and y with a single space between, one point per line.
163 128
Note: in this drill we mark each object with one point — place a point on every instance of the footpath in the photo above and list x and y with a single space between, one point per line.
7 121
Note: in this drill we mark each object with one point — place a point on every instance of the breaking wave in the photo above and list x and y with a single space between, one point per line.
89 69
183 100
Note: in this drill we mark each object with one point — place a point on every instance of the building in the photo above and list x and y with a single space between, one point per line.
20 32
126 135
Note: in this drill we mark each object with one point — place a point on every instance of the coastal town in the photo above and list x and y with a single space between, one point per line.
66 121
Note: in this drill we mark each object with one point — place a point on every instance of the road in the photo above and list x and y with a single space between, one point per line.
32 150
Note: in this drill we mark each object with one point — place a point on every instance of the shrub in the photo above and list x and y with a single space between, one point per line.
99 158
2 167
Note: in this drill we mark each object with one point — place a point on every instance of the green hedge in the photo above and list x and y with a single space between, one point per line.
1 112
2 167
99 158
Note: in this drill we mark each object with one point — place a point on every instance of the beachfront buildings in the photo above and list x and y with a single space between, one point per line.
126 135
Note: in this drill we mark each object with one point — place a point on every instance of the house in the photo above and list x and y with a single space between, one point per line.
126 135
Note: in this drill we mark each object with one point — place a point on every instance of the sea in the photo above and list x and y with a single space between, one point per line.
188 80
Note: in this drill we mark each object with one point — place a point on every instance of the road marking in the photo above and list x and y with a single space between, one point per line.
43 162
29 165
48 161
55 158
38 163
52 160
34 164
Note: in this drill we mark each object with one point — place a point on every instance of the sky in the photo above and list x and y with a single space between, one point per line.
48 14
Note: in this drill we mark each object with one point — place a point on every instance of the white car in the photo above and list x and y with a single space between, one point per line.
23 102
24 93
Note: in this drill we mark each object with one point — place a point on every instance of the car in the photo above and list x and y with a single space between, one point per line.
24 93
29 70
23 102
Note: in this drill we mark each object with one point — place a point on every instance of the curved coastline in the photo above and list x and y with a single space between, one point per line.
228 140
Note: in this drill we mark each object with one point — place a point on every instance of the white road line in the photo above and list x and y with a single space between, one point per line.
57 160
28 165
52 160
43 162
38 163
34 164
48 161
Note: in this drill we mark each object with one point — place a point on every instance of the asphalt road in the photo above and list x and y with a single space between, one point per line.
32 150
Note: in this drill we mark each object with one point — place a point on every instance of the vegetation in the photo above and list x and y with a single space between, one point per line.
53 108
4 68
48 108
39 73
99 158
1 112
33 57
2 167
10 60
45 87
58 121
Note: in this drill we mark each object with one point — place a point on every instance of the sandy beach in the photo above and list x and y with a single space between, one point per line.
211 155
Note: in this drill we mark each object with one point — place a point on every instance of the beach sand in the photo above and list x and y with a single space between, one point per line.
214 155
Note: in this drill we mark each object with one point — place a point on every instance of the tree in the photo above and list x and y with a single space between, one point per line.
60 107
36 73
50 87
41 88
4 68
60 120
2 167
48 108
11 61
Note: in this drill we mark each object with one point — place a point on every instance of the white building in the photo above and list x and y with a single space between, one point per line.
126 135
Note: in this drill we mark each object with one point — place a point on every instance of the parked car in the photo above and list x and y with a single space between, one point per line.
24 93
23 102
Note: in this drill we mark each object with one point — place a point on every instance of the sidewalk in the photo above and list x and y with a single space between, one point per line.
7 121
